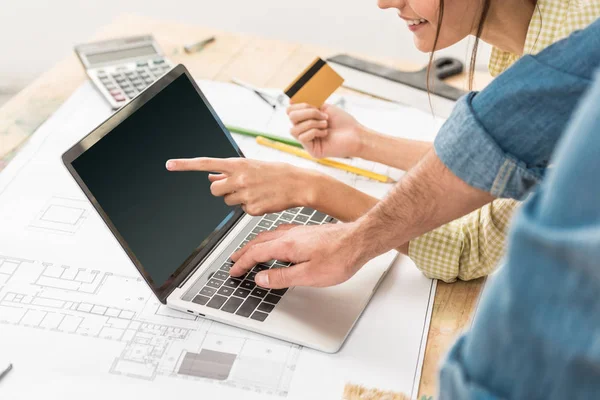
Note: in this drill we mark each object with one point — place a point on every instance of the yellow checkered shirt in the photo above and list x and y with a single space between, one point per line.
472 246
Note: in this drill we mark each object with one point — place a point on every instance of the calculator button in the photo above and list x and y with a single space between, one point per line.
155 70
148 80
159 61
142 64
119 98
110 86
130 93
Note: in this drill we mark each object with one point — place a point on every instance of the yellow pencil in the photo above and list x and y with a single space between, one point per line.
324 161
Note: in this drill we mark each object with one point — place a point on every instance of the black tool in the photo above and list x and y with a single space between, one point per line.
441 68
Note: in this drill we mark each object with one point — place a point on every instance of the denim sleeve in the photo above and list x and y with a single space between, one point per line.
500 139
536 334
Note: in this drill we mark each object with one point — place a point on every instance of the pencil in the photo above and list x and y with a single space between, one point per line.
324 161
250 132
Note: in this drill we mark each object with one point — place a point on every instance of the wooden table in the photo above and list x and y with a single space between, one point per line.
260 61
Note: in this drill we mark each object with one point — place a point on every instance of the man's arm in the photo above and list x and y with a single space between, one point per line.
495 144
500 140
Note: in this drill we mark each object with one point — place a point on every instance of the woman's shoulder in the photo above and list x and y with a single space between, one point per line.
552 21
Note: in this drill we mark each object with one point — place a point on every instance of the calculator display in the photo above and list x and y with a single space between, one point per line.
122 54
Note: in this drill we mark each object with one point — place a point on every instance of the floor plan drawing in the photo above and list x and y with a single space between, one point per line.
156 339
75 313
61 215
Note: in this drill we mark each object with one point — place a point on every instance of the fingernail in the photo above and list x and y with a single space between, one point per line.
170 164
262 279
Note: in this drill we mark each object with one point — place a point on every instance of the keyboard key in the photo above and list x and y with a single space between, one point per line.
248 285
248 307
311 223
265 224
214 283
307 211
217 301
279 222
259 316
232 304
266 307
241 293
202 300
221 275
226 267
259 268
259 292
207 291
258 230
225 291
286 217
318 217
270 217
250 276
250 237
271 298
301 218
280 264
279 292
294 210
232 283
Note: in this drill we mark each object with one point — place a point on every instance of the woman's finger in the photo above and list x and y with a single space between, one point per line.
223 187
227 165
233 199
297 106
305 126
306 114
311 135
216 177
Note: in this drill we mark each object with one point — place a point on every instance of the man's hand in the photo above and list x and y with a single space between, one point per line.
323 256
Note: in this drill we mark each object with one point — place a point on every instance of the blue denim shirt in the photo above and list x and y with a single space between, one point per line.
500 140
537 332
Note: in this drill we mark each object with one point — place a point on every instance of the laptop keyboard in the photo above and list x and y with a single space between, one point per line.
241 296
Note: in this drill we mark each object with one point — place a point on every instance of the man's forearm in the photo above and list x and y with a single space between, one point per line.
396 152
428 196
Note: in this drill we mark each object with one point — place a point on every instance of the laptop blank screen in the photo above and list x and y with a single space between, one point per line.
164 217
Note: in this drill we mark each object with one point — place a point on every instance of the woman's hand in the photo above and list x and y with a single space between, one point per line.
326 132
260 187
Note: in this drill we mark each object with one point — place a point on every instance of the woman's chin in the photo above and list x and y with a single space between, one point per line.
424 46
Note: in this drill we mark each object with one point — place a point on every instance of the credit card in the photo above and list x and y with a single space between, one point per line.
315 84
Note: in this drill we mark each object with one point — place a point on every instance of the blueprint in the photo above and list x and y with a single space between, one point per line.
76 319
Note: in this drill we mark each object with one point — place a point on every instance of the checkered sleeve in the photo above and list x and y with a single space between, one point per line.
467 248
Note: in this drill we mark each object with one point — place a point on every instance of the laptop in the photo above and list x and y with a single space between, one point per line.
180 237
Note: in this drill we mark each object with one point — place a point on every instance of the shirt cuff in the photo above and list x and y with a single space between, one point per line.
471 153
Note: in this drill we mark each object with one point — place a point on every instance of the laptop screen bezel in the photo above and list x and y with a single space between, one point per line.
207 245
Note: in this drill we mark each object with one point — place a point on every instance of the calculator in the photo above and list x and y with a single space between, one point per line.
122 68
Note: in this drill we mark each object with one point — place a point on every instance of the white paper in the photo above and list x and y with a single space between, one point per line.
77 321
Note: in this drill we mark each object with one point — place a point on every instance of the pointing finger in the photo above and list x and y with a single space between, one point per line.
226 165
